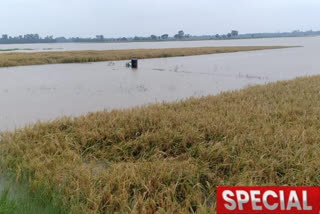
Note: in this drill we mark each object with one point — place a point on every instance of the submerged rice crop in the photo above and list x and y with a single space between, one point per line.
170 157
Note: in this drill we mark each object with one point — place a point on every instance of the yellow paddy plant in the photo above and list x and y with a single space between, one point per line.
170 157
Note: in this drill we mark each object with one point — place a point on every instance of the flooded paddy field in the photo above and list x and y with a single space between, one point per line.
31 93
146 45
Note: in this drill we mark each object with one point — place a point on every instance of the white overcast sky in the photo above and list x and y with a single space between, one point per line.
115 18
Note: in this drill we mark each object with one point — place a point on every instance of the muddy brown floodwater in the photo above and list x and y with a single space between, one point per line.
31 93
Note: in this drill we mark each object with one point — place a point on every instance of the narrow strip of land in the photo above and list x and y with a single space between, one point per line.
40 58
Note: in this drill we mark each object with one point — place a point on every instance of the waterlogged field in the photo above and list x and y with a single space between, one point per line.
165 157
155 45
31 93
169 158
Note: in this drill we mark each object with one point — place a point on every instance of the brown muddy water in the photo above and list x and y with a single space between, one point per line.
31 93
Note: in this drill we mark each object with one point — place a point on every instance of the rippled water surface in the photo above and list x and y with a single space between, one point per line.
31 93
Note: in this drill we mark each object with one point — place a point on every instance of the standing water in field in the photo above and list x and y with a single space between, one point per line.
147 45
31 93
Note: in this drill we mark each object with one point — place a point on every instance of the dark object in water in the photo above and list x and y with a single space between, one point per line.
134 62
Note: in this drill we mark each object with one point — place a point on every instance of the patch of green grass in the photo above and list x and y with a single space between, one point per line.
18 198
7 206
31 204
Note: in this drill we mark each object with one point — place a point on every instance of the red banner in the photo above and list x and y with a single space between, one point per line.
268 200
